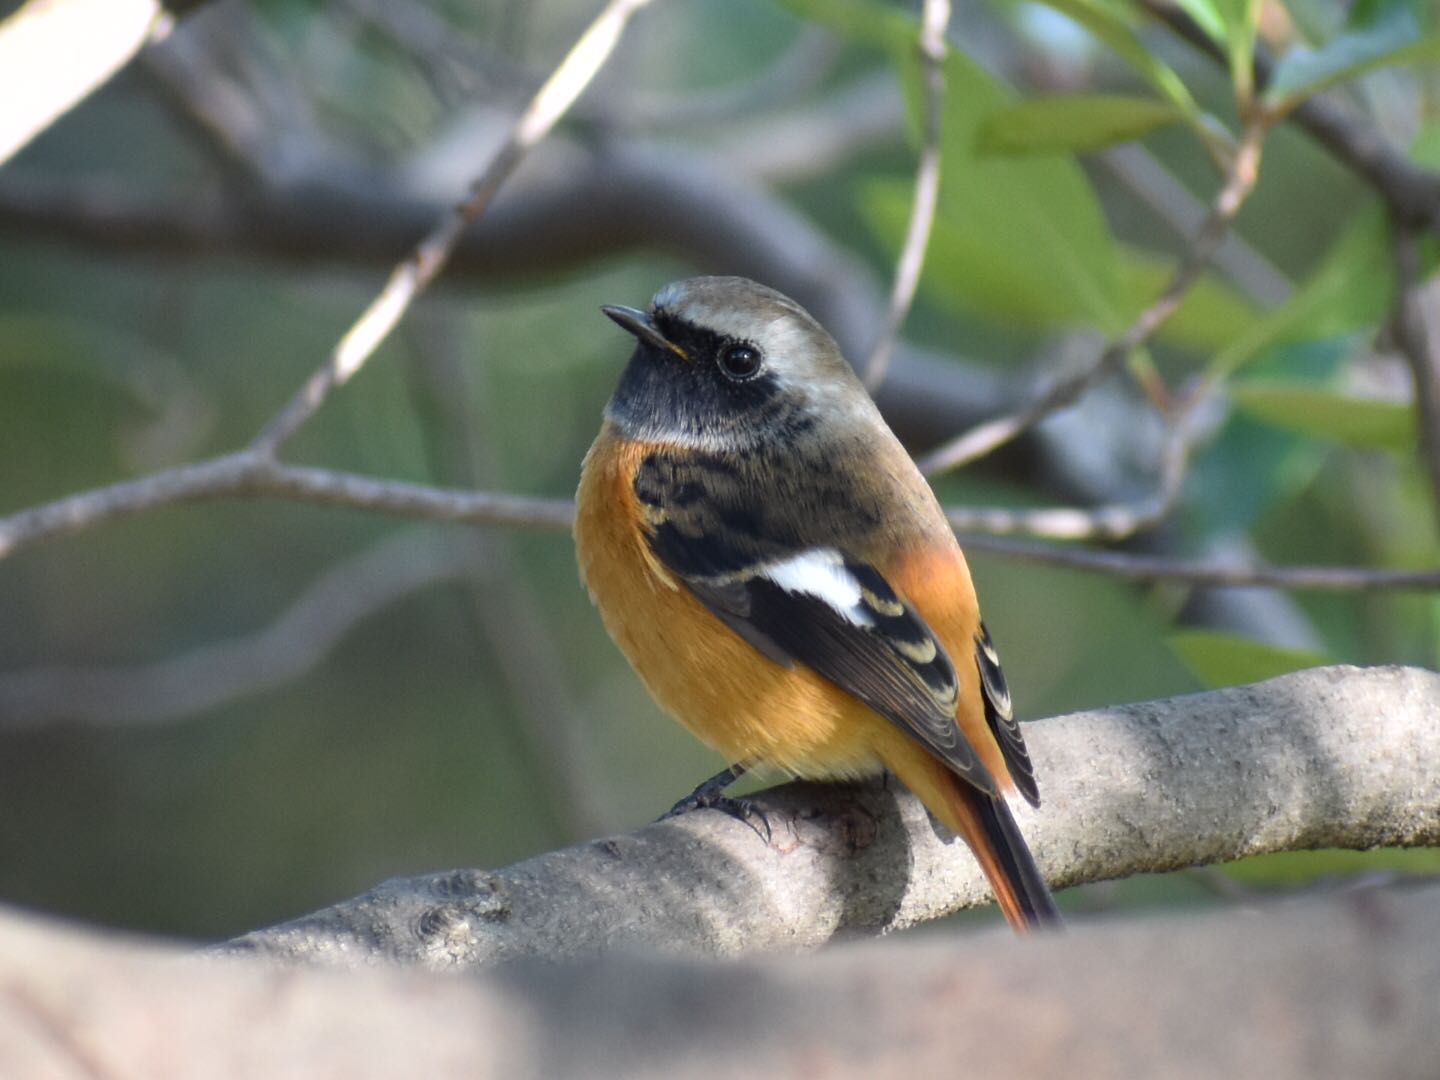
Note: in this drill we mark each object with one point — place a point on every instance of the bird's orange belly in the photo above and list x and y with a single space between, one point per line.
726 692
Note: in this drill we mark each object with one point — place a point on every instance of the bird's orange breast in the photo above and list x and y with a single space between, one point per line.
732 697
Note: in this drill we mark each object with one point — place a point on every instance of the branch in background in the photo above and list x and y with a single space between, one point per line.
249 475
1240 180
1171 202
1140 569
934 22
1115 522
806 143
1417 336
213 106
1411 192
55 53
1333 757
680 201
630 196
803 65
241 106
499 598
412 276
213 675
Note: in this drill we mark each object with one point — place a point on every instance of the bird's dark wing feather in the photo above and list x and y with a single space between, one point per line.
1000 714
814 605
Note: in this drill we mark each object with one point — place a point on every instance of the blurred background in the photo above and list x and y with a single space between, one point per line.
218 716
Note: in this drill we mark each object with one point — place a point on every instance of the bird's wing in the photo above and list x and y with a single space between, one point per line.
799 602
1000 715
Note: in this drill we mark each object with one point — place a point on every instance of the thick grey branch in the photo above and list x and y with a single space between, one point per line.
1339 757
1326 989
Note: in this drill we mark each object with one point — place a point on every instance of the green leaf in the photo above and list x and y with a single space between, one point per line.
1212 315
1300 867
71 347
1218 659
1352 288
1426 148
865 21
1251 468
1020 239
1394 37
1108 24
979 270
1208 15
1069 123
1328 414
1013 237
1242 21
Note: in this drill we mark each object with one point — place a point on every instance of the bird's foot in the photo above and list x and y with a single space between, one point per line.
711 796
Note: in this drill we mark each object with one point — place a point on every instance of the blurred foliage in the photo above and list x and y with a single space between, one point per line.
416 744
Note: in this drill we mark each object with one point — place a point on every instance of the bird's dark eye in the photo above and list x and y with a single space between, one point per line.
739 361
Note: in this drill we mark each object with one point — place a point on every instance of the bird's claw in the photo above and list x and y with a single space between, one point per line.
746 810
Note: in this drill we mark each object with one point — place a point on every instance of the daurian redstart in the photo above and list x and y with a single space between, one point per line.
778 572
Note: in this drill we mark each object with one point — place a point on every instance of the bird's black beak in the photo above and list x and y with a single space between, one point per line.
643 327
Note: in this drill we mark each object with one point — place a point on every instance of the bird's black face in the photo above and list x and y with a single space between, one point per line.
700 387
724 364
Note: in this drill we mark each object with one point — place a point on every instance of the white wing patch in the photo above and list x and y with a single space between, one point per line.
821 573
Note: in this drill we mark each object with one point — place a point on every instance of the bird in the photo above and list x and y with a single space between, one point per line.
779 574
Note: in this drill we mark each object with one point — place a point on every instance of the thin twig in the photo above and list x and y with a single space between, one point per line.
249 475
987 437
1411 191
1415 339
411 277
1143 569
219 672
1173 204
934 21
1116 521
54 53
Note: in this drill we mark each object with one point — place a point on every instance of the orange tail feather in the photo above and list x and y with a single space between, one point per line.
987 825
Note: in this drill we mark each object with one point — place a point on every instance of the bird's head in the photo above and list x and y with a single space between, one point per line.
723 363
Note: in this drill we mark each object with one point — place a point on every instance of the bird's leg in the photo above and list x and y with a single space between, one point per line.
710 795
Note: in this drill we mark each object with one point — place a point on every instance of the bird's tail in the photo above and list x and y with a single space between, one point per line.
986 824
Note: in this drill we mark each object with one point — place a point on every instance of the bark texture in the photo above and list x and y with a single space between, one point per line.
1341 987
1332 757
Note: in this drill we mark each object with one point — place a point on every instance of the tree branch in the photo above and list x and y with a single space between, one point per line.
1140 569
411 277
1117 521
54 53
1411 192
934 22
1328 988
1335 757
213 674
984 439
248 475
1418 339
